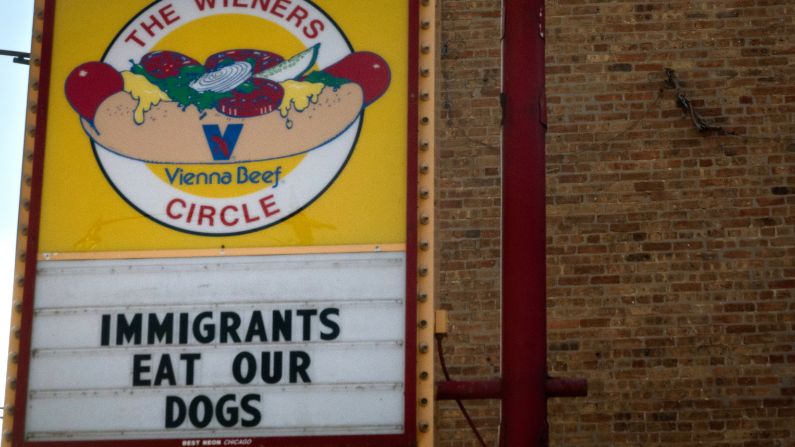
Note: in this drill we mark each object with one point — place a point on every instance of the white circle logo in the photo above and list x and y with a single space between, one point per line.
203 132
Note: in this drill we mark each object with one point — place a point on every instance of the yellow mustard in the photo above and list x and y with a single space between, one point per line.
147 94
299 95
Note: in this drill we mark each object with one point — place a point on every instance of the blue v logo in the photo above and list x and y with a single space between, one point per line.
222 145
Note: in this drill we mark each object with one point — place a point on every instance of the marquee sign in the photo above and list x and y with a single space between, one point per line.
223 216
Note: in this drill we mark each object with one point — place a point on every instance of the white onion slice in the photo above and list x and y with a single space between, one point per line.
224 79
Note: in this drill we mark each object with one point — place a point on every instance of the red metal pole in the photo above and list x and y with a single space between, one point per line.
524 409
558 387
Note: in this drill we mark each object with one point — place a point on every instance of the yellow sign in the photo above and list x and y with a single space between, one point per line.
208 124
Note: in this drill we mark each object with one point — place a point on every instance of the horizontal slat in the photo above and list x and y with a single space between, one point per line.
212 280
355 324
238 305
327 430
285 413
112 369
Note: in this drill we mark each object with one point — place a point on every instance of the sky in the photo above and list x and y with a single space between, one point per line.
15 29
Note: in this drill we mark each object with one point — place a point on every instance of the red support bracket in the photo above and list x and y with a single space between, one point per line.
562 387
492 389
467 390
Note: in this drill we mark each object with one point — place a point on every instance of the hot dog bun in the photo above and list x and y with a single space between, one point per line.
173 135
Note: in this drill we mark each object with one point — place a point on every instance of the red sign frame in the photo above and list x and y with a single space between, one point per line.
405 439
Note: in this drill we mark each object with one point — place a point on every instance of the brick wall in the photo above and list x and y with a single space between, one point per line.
671 253
468 200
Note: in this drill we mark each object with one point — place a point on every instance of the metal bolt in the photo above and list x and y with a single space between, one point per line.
425 24
10 410
423 324
32 131
424 96
425 2
9 435
40 14
424 169
23 230
541 22
12 383
17 332
424 427
425 72
422 297
18 306
423 271
424 220
424 375
26 205
21 281
424 348
34 85
33 107
424 402
425 120
425 245
425 145
425 49
424 194
14 357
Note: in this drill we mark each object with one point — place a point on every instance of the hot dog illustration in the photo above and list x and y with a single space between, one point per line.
245 104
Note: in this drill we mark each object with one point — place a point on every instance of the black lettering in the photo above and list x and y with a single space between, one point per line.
204 334
282 325
175 418
159 330
128 330
299 362
256 328
230 323
245 405
271 373
190 371
251 367
104 339
306 315
165 371
140 368
183 328
221 411
204 404
333 326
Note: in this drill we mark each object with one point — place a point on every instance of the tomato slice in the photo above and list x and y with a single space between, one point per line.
166 64
262 59
264 98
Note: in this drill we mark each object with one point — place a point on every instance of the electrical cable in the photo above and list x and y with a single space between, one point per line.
458 401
